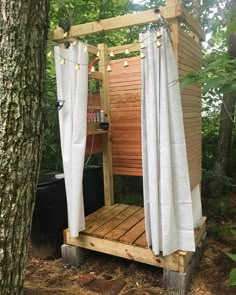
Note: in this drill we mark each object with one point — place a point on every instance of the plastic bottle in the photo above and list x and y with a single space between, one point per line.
102 116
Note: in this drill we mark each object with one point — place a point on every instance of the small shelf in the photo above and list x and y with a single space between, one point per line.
94 107
97 132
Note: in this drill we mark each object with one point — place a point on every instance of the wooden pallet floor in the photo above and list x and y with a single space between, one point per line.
119 230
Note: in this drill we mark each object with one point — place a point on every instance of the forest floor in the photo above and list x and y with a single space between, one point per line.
50 277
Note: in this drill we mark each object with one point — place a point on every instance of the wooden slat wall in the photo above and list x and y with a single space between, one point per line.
125 100
189 59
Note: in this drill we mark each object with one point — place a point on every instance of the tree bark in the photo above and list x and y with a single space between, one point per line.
224 144
23 35
225 135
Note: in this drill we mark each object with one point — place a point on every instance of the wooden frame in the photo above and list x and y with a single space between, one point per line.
92 240
175 10
185 46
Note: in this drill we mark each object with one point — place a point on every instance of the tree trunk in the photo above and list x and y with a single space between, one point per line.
225 135
227 112
23 34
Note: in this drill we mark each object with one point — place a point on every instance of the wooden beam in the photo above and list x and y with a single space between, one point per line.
92 49
96 75
189 21
121 48
107 146
123 250
114 23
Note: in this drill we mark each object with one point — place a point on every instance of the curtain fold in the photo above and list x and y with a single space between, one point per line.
167 195
72 92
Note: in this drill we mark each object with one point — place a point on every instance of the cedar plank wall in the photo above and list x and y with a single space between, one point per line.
125 98
125 105
189 59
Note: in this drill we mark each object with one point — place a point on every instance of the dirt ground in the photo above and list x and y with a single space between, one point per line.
44 277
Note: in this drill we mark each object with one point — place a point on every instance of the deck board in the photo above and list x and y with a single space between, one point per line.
122 229
134 233
142 241
115 210
114 222
97 214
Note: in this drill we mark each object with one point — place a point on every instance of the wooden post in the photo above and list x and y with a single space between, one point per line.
174 26
172 2
107 146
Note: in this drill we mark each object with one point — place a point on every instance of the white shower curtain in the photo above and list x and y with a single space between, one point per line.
167 195
72 90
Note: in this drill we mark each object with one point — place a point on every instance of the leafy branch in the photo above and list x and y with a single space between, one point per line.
219 74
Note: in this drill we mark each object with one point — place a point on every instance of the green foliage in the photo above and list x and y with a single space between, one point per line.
210 129
232 277
231 28
231 256
219 74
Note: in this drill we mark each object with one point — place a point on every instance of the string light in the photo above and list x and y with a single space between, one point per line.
158 43
127 51
77 67
66 35
158 34
142 46
142 55
111 53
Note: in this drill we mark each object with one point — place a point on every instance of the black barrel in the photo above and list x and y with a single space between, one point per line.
49 217
93 189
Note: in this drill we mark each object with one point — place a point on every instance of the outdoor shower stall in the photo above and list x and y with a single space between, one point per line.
153 132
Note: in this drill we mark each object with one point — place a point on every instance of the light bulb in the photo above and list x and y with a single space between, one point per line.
142 45
142 55
92 69
158 44
158 34
98 54
126 64
85 49
77 67
65 35
50 53
112 54
63 61
126 51
108 68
